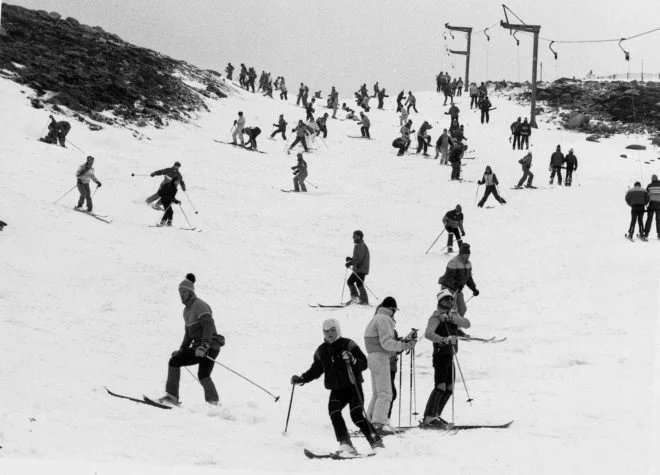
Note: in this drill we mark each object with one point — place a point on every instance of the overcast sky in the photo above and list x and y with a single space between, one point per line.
401 43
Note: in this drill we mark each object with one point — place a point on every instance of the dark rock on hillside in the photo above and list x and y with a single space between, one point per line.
94 73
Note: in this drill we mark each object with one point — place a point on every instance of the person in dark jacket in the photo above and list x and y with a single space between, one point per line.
381 98
442 146
300 131
526 163
299 174
167 194
571 164
322 124
653 189
360 269
556 162
515 133
442 329
453 221
229 70
423 138
490 180
637 198
57 132
252 133
455 156
485 109
168 175
309 110
457 275
281 128
333 358
200 342
399 100
453 113
525 133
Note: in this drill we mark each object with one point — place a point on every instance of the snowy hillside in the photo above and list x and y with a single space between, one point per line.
85 304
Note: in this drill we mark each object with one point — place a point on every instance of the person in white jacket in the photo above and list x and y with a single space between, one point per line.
239 124
381 344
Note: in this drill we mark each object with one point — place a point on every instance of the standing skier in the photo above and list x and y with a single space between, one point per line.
238 129
490 180
526 163
453 221
525 132
229 70
571 164
281 128
411 102
381 98
168 175
381 344
637 198
299 174
300 131
360 264
455 156
453 113
474 95
365 123
84 174
399 99
342 362
423 138
442 147
167 194
556 161
457 275
200 342
515 133
442 329
653 189
485 109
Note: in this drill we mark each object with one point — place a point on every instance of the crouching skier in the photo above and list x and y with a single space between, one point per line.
342 362
200 342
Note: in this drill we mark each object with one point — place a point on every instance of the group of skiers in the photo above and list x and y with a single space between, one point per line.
643 201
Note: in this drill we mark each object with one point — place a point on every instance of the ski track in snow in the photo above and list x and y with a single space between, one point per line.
85 304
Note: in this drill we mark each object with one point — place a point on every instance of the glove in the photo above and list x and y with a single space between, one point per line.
234 122
412 336
462 233
174 353
177 202
153 174
475 292
409 345
295 379
200 351
348 357
98 184
451 340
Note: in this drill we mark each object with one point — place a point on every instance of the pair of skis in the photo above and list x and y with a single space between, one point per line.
100 217
249 149
145 400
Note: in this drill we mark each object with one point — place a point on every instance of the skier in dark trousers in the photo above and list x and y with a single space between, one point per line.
404 141
57 132
281 127
453 113
381 98
200 341
84 175
229 70
399 100
457 275
168 175
411 102
322 124
515 133
526 163
653 189
637 198
474 95
443 329
556 162
299 174
442 146
366 124
252 133
453 221
525 132
167 194
455 156
360 269
571 164
490 180
300 131
332 359
446 90
423 138
485 109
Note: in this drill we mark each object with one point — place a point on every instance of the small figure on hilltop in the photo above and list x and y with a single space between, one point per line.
637 198
57 132
242 77
526 163
457 275
556 162
200 346
84 175
229 70
360 269
342 361
168 175
281 127
453 221
490 180
653 189
571 165
299 174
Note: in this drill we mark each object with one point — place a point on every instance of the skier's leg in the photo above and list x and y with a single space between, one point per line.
379 364
88 196
336 403
459 302
394 393
180 358
204 374
352 280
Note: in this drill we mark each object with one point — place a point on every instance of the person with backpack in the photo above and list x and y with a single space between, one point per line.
490 180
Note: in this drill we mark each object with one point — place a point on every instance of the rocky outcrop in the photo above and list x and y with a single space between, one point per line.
98 75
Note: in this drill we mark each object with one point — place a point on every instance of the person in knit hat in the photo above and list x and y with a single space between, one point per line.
342 362
653 190
381 344
457 275
200 346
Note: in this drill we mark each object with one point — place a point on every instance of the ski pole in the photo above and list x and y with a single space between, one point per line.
190 201
184 215
76 146
469 399
476 195
191 374
58 199
248 380
97 189
497 188
140 174
44 129
365 285
578 178
288 414
414 365
351 378
309 182
436 240
343 287
453 399
400 384
410 399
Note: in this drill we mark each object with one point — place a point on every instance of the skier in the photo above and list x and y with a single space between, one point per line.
423 138
525 132
360 269
474 94
453 113
168 175
653 190
457 275
301 91
381 345
515 133
299 174
453 221
442 329
300 131
526 163
242 76
482 91
365 123
57 132
333 102
167 194
485 109
442 147
200 346
283 90
455 156
490 180
84 174
309 110
252 133
404 141
446 90
458 134
238 129
411 102
403 118
399 99
459 87
381 98
281 127
229 70
333 358
321 123
571 164
637 198
556 161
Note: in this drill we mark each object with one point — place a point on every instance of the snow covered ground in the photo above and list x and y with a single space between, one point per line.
85 304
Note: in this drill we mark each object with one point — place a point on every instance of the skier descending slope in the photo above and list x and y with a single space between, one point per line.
442 329
168 175
457 275
490 180
453 221
342 362
84 174
200 342
167 194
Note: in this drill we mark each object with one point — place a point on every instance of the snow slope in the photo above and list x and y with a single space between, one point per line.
85 304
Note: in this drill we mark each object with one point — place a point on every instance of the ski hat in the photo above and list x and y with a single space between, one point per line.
358 233
464 249
299 155
177 164
444 294
330 323
188 283
389 302
458 208
654 178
